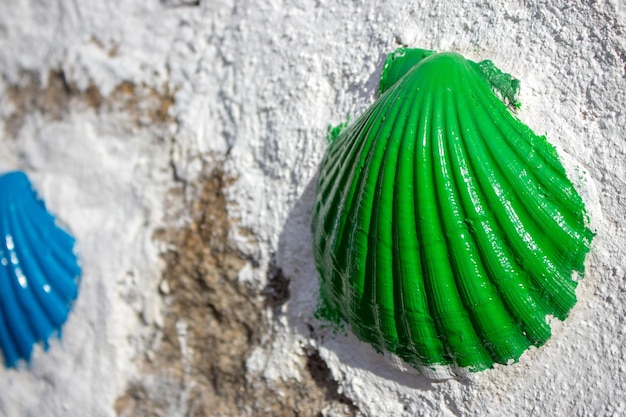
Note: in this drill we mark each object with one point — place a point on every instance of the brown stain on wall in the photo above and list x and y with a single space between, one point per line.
204 373
55 98
29 95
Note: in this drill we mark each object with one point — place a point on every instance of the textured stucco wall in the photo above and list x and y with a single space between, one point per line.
119 110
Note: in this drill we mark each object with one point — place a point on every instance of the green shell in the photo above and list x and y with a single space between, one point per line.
445 230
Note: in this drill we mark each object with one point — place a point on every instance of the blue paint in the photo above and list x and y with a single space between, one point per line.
39 271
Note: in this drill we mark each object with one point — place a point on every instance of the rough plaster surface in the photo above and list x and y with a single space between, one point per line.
254 85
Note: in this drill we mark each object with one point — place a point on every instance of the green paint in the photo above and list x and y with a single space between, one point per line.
445 230
335 131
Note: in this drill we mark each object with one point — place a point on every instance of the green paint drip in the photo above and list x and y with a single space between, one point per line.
335 131
445 230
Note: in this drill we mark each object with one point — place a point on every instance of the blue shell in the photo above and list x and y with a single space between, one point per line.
39 271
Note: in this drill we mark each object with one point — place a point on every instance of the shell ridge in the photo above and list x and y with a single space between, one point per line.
330 186
434 300
9 350
375 296
350 131
418 172
337 149
340 240
557 225
541 219
553 228
40 226
36 255
337 284
546 152
405 335
324 246
384 207
19 328
63 251
417 329
478 298
536 152
359 147
494 323
383 245
459 336
496 256
544 274
359 179
528 227
45 294
61 266
330 195
503 195
22 285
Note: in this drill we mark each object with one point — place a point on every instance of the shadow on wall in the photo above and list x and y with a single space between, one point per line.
295 259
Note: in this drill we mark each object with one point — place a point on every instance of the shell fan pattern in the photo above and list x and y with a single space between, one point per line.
39 272
445 230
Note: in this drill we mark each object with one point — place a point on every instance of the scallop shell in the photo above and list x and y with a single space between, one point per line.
445 230
39 273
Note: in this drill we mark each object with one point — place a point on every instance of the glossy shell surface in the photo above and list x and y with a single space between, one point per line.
445 230
39 272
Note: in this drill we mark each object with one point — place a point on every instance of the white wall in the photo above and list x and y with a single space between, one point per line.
255 85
